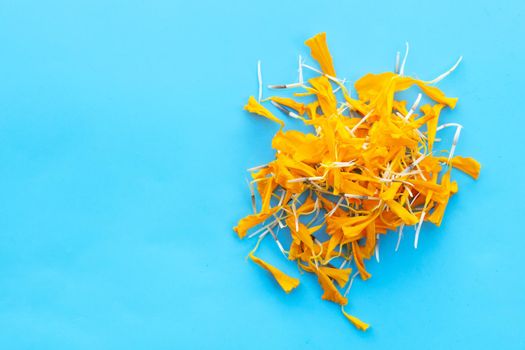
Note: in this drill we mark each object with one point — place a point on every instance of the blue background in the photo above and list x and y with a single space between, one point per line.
123 149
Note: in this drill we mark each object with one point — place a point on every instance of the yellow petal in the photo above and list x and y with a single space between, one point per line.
355 321
301 147
331 293
358 257
311 109
354 232
306 207
467 165
437 95
291 103
403 83
341 276
370 243
298 167
286 282
391 191
407 217
319 51
267 194
255 107
323 90
250 221
432 123
302 234
437 215
334 241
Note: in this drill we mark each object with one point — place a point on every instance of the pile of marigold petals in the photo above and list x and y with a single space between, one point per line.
369 166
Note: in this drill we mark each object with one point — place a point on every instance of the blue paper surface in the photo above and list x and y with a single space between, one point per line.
123 149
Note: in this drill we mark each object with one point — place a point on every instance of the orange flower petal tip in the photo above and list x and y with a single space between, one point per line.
286 282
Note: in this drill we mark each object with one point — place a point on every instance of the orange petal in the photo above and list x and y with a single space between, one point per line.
341 276
250 221
255 107
286 282
319 51
467 165
355 321
407 217
331 293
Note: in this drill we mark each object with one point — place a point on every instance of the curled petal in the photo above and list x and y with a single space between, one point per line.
255 107
355 321
286 282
